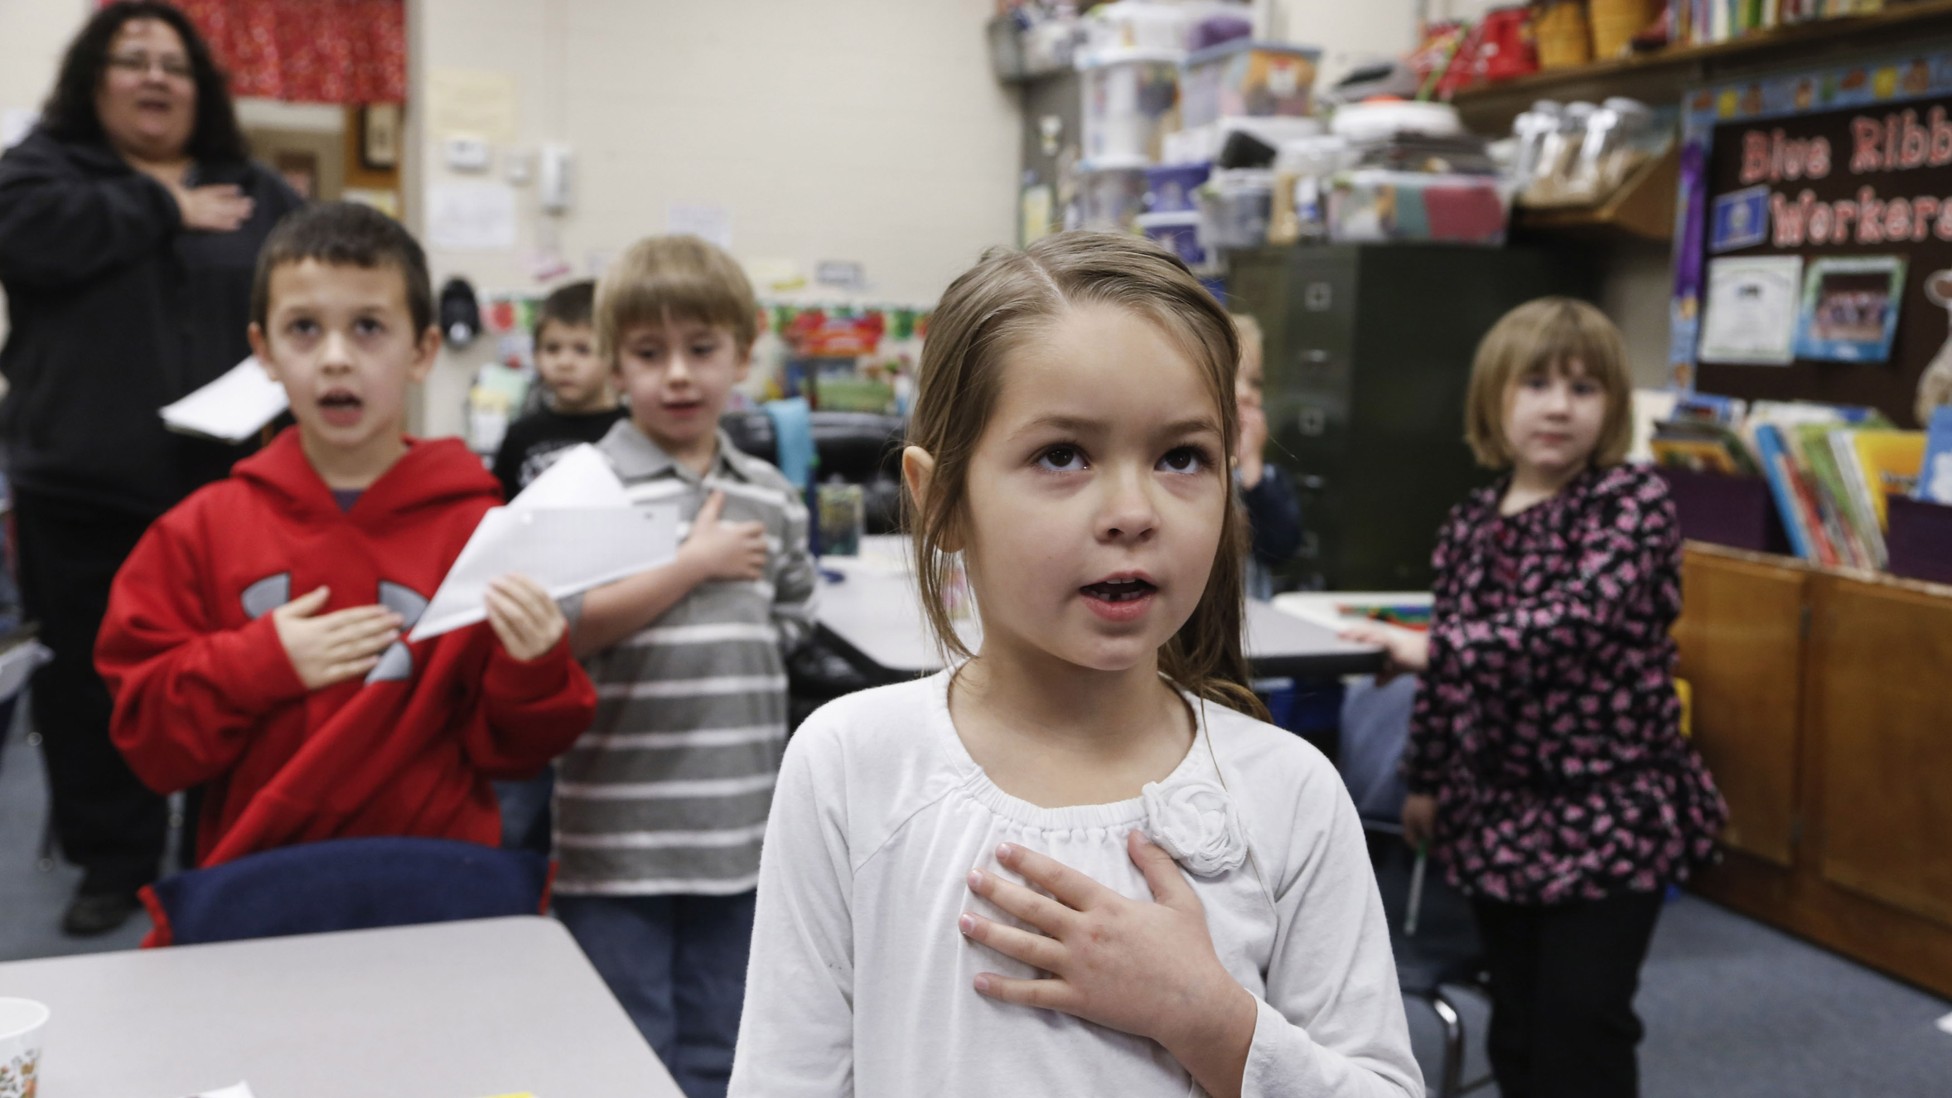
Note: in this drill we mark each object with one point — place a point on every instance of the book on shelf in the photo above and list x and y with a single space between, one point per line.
1857 491
1935 459
1888 462
1781 474
1701 446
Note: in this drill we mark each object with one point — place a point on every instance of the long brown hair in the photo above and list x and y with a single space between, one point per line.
1011 296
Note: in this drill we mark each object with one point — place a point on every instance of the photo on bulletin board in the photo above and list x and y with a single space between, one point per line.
1751 309
1850 308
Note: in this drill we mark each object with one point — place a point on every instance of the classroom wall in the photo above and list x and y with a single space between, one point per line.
1348 33
861 130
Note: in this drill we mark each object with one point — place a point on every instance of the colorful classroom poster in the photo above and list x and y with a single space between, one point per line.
1847 167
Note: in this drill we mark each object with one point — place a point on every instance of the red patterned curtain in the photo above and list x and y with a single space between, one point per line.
308 51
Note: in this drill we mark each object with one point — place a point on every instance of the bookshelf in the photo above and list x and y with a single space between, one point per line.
1659 78
1819 707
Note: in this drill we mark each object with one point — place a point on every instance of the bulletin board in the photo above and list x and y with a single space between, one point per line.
1813 235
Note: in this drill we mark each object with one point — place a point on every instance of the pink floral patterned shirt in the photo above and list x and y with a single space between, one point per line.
1547 724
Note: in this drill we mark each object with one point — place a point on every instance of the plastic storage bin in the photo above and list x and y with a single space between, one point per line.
1131 101
1235 207
1247 78
1372 205
1169 188
1179 232
1153 25
1110 194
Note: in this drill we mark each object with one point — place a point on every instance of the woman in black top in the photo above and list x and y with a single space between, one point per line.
130 222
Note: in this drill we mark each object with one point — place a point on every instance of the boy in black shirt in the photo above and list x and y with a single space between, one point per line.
579 405
580 396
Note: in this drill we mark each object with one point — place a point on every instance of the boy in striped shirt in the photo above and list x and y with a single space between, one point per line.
661 804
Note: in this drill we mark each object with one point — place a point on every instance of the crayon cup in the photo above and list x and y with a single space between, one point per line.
22 1025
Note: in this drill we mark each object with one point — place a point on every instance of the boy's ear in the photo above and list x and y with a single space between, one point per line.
744 366
918 475
425 350
261 349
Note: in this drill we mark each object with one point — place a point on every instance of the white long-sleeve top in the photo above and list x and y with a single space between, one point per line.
861 984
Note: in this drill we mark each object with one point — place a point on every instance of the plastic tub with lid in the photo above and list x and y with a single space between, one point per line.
1244 77
1131 100
1179 232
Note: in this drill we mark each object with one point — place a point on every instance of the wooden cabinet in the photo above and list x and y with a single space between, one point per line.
1823 706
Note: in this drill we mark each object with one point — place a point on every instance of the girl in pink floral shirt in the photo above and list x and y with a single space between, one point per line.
1546 765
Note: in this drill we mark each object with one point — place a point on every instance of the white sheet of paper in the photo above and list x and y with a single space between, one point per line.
471 216
17 663
571 529
1750 309
232 408
580 477
565 549
239 1090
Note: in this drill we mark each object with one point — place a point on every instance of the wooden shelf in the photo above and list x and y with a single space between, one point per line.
1660 78
1643 207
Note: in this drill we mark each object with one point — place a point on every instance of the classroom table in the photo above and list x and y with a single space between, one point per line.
868 610
450 1010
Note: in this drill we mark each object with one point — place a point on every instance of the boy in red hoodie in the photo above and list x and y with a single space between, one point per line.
255 641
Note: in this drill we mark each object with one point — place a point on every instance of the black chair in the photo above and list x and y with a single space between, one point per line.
861 448
858 448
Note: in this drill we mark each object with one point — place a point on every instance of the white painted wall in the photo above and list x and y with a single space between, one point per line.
865 130
1347 32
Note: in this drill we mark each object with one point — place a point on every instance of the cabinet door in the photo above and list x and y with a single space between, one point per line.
1740 636
1882 715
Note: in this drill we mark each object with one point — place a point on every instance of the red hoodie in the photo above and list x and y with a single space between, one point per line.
205 695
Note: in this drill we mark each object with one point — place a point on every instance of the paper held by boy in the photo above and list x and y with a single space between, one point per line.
571 529
232 408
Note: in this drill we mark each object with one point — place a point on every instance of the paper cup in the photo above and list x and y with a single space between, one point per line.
22 1024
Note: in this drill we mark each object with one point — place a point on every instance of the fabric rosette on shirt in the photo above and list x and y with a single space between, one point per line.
1195 822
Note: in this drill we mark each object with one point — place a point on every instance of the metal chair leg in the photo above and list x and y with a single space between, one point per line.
1452 1072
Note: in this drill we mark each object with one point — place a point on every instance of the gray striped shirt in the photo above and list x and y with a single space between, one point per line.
668 790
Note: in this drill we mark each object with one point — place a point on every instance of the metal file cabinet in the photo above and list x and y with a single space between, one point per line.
1368 356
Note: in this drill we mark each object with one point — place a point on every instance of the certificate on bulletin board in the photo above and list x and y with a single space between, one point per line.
1751 309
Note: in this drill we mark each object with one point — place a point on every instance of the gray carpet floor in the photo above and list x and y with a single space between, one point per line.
1733 1008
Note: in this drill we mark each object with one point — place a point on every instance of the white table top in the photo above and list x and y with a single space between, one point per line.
452 1010
873 614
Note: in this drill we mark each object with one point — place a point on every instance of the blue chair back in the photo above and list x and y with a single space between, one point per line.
346 884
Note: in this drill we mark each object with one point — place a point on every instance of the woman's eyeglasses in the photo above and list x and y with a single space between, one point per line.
139 64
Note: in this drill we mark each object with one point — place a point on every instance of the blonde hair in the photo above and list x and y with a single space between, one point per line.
1250 335
1011 297
1542 337
680 277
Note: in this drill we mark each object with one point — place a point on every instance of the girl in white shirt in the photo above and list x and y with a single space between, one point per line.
1075 863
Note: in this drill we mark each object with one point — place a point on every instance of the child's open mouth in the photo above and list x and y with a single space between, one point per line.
1119 599
341 408
683 407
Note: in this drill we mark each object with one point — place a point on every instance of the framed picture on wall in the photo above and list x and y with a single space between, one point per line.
379 136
